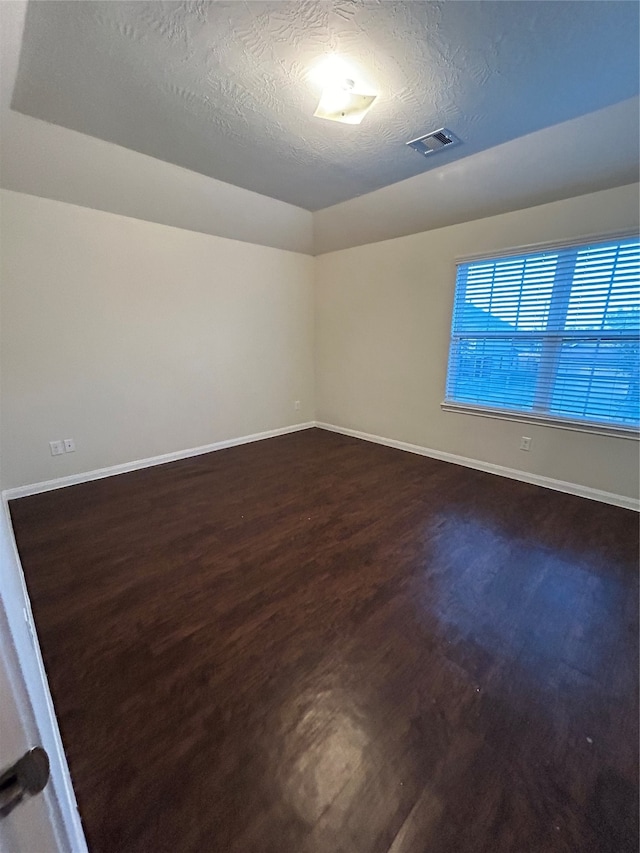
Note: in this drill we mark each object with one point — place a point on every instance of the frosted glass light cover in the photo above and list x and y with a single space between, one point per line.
339 104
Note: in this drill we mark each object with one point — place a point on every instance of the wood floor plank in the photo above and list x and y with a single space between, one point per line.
314 644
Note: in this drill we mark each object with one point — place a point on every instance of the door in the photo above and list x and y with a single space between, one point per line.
48 822
29 827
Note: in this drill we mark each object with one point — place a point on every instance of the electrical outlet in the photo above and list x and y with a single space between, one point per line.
296 405
69 445
525 443
56 447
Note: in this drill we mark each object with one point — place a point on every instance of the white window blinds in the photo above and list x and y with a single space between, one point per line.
551 333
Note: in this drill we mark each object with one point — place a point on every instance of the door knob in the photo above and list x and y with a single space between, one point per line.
26 777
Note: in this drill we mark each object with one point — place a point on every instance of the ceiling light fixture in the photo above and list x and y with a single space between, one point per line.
341 103
342 98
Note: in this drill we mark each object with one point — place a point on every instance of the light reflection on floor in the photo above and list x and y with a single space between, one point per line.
499 627
327 746
526 602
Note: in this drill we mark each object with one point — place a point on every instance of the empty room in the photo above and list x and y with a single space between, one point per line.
319 426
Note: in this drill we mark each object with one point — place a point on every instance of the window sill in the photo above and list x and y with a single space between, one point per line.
543 420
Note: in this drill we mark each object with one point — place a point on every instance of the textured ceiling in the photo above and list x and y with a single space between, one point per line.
223 88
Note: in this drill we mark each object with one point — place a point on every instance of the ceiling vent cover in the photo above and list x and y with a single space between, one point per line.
433 142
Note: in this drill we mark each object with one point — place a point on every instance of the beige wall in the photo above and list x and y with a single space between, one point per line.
382 321
138 339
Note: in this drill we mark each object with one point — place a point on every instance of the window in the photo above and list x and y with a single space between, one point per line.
550 335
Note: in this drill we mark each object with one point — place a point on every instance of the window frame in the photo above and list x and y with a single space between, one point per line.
537 418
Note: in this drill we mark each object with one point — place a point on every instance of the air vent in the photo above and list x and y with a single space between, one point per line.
433 142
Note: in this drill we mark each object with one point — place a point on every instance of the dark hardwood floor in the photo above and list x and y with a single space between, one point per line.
312 644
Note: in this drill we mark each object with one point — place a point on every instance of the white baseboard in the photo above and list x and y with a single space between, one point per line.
491 468
467 462
126 467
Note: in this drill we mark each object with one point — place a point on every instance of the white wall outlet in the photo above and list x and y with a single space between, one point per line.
69 445
56 447
296 405
525 443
